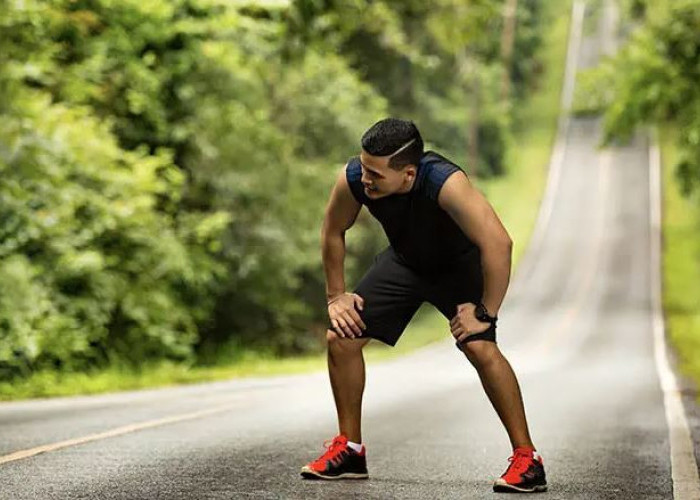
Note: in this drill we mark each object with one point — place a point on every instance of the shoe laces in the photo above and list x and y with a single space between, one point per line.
520 460
333 447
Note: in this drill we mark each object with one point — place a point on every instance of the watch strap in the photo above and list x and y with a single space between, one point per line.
483 315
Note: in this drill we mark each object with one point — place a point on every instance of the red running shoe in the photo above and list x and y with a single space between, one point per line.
525 473
338 462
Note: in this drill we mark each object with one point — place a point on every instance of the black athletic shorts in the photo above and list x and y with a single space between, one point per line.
393 292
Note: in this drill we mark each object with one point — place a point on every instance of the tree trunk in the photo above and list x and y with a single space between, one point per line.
507 43
474 125
469 75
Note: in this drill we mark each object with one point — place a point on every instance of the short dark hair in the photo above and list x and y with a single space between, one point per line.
392 136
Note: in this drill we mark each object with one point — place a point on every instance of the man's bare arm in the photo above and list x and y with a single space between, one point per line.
475 216
341 212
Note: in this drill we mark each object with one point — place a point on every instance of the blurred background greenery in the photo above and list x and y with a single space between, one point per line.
164 165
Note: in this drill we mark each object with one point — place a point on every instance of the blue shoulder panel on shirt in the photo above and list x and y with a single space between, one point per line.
353 174
437 170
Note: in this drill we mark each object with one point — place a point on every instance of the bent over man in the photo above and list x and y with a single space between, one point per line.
447 247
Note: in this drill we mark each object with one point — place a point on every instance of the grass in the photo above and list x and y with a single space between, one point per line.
681 263
424 329
515 197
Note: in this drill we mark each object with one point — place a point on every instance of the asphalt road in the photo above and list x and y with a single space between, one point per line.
576 325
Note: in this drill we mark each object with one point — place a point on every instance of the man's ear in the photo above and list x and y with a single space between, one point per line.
411 170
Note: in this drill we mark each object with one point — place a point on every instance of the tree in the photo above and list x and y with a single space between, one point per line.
654 80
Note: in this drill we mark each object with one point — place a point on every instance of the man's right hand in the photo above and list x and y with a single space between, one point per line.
344 318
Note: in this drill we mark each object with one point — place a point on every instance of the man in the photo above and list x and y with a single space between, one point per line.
447 247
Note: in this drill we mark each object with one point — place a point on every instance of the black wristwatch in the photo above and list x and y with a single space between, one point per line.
482 314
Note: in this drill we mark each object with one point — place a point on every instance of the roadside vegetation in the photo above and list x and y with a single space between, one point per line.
164 167
653 80
681 261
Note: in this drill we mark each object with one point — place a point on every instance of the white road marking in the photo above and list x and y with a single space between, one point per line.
684 468
558 152
117 431
556 164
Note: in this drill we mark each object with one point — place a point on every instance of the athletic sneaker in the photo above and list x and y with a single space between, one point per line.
338 462
524 474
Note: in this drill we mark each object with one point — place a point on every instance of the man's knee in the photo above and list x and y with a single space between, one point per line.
480 352
340 345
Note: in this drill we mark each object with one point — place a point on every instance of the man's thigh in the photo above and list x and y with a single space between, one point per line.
461 283
391 294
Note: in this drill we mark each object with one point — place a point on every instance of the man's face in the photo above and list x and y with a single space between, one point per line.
380 180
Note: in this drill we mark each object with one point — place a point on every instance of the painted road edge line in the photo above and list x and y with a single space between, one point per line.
117 431
684 468
556 159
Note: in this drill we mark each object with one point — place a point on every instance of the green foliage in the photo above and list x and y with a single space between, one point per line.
93 269
681 262
431 61
636 9
320 97
164 165
654 79
532 21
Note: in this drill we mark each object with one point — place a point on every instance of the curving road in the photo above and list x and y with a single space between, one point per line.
577 325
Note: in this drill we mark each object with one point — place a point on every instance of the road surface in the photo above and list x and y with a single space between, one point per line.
576 325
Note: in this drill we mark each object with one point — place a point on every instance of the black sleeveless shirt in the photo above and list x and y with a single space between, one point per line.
422 234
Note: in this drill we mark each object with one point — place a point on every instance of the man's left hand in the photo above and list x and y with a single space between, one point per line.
465 324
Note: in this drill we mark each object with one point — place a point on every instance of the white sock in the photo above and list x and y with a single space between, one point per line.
355 446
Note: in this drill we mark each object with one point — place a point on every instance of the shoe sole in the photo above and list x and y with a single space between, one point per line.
308 473
509 488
